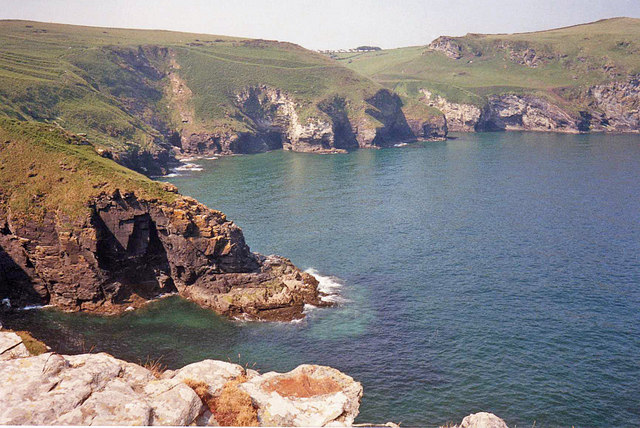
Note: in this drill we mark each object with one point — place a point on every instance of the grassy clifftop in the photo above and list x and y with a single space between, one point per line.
130 91
45 169
467 69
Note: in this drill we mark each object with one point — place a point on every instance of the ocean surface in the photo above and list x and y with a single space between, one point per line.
493 272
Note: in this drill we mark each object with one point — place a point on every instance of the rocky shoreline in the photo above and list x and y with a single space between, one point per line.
129 250
98 389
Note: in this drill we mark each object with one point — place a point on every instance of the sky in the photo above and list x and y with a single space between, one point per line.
325 24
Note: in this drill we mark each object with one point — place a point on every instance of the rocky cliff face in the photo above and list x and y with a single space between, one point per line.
616 106
612 107
526 112
447 46
459 117
275 123
130 250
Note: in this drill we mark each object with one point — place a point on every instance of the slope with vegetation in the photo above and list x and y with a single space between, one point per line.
81 232
141 96
571 79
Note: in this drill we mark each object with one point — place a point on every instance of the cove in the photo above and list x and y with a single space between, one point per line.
496 272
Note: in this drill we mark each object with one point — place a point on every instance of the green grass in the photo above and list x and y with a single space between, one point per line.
577 57
44 169
112 84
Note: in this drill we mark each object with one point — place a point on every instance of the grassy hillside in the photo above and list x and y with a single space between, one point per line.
541 62
115 85
43 168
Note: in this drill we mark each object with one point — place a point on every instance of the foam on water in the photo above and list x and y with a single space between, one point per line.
329 285
189 167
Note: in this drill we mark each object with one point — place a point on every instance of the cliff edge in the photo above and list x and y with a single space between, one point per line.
80 232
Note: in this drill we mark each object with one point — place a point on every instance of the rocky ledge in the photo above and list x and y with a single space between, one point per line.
128 250
98 389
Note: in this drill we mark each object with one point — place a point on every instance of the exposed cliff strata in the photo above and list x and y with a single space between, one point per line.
275 123
616 106
448 46
131 249
526 112
460 117
612 107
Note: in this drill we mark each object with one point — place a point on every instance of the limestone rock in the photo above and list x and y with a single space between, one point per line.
307 396
11 346
98 389
483 420
173 402
91 389
214 373
459 117
448 46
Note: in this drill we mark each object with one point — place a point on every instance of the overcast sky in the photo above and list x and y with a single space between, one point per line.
326 24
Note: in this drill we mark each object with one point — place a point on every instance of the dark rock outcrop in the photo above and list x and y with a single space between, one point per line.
129 250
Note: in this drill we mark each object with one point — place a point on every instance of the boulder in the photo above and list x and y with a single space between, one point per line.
90 389
214 373
306 396
482 420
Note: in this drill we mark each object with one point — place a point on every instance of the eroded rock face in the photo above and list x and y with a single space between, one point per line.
526 112
507 112
274 118
129 250
616 105
459 117
448 46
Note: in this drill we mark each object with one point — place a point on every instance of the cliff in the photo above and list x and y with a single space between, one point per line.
83 233
610 107
144 98
582 78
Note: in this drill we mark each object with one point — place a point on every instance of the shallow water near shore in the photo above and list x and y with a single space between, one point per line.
496 272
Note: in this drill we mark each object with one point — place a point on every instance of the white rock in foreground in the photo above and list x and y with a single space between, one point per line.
98 389
11 346
306 396
483 420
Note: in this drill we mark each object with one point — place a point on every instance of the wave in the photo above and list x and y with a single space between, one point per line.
190 159
212 158
189 167
329 286
33 307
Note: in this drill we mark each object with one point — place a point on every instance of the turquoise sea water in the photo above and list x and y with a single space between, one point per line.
496 272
